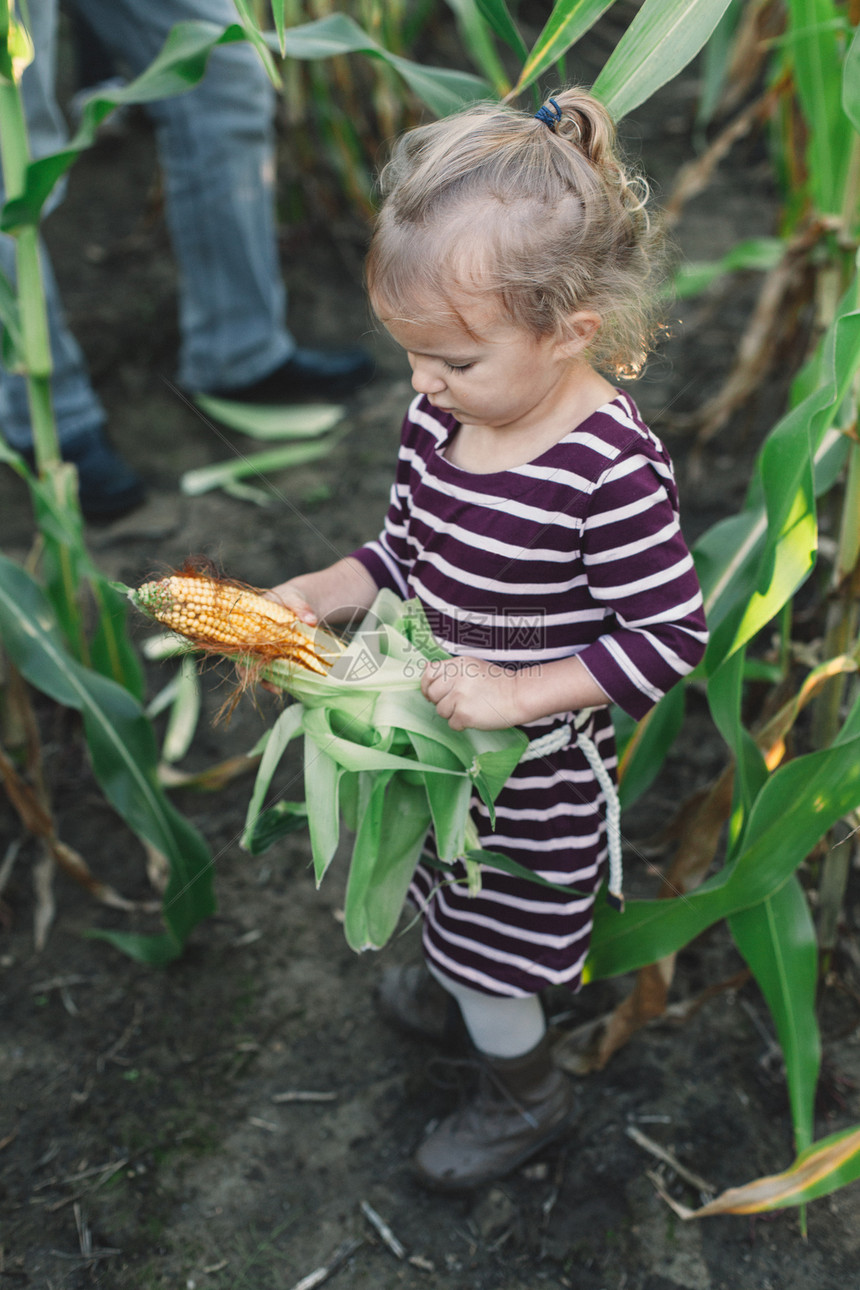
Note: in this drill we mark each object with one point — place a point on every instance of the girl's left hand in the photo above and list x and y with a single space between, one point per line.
471 693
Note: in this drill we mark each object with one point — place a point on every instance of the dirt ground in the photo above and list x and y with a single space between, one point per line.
145 1140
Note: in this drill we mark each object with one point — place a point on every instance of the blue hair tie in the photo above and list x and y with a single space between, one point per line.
549 116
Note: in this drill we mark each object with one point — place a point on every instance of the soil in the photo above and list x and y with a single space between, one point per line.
144 1137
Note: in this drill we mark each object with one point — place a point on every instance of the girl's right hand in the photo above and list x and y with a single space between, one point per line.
289 593
329 595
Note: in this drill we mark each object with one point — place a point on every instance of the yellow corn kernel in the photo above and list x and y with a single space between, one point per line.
215 614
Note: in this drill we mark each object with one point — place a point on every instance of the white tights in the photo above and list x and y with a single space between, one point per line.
499 1027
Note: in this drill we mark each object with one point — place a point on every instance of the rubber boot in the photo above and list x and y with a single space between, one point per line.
411 998
522 1103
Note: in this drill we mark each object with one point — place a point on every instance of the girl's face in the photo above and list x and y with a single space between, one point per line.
486 371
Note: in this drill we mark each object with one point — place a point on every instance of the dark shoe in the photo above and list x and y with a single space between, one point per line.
107 486
412 999
522 1103
307 373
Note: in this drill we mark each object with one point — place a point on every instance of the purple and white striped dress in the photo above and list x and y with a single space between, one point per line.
577 552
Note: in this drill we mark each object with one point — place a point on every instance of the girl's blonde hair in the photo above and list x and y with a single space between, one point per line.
494 200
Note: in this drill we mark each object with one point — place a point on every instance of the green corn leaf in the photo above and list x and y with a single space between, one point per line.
815 41
274 744
262 497
280 21
165 644
262 421
824 1167
727 557
780 542
163 699
255 37
777 939
204 478
643 749
124 758
110 651
448 796
759 669
275 823
851 82
354 791
323 779
17 48
725 696
185 713
760 253
388 845
496 860
569 20
661 40
442 89
478 41
53 494
498 16
851 727
716 59
352 745
59 520
795 808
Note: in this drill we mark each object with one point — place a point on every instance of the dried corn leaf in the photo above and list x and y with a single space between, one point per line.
822 1168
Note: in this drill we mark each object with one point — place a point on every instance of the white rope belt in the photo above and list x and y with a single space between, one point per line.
559 738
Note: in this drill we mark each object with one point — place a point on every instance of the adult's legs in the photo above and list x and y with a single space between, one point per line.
216 147
79 413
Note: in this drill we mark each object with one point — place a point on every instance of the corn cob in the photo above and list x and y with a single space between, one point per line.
220 616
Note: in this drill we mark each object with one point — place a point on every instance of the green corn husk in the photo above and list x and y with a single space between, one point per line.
379 759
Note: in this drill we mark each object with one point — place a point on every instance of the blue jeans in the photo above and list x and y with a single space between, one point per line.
215 146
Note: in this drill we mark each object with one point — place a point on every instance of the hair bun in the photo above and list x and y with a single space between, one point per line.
585 123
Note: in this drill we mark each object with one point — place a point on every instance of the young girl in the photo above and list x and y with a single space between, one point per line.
535 517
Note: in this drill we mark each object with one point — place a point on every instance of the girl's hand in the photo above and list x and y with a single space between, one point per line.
332 595
287 593
290 594
472 694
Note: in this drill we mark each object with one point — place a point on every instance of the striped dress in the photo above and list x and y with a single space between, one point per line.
577 552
